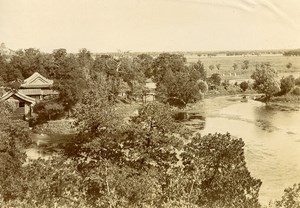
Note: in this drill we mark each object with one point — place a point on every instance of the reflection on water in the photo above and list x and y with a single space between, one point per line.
46 145
272 140
35 153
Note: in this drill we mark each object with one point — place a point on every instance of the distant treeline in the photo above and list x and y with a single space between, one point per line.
238 53
292 53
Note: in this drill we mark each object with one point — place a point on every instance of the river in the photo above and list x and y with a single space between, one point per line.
272 139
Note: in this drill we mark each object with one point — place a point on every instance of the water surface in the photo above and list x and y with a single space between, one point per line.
272 139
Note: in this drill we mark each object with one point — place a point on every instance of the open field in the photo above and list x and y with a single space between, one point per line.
278 62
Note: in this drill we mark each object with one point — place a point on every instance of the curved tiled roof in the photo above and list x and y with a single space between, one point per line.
36 80
19 95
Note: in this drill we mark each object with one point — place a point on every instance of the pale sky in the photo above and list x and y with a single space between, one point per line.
150 25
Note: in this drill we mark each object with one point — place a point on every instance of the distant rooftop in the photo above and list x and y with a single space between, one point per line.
36 80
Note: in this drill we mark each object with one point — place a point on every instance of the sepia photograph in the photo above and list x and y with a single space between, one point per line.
149 104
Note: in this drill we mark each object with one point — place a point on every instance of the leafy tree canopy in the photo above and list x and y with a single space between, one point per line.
218 174
266 80
287 84
215 79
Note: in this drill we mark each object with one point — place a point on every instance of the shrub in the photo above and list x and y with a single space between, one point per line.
48 110
244 85
203 87
215 79
296 91
287 83
226 84
291 197
297 81
289 65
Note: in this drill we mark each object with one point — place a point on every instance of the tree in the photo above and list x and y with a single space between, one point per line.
211 67
245 65
2 83
68 78
215 79
289 65
105 64
198 71
217 174
287 84
150 139
265 81
244 85
290 199
85 62
297 81
97 124
175 62
163 87
11 74
146 62
218 66
226 84
17 129
234 66
108 67
14 136
117 163
179 85
203 86
176 80
48 110
124 69
3 70
131 72
153 140
29 61
100 170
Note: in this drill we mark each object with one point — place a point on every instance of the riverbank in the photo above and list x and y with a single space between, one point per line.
211 103
283 103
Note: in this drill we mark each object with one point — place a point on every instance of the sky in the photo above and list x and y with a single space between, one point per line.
150 25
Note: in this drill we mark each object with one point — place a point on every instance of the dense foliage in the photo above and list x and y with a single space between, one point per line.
287 84
290 198
148 161
297 81
215 165
296 91
244 85
265 80
14 136
245 65
124 73
215 79
177 80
